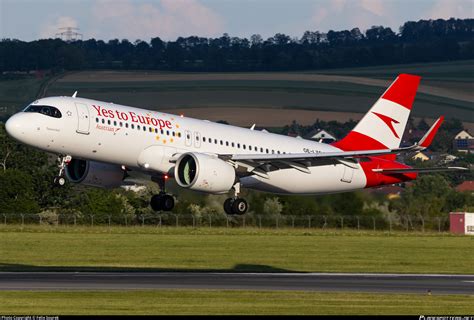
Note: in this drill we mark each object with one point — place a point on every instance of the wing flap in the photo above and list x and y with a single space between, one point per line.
419 170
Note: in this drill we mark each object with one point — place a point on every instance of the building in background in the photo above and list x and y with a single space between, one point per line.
466 186
321 135
464 142
461 223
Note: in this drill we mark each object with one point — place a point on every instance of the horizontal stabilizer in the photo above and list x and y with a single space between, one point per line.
428 137
419 170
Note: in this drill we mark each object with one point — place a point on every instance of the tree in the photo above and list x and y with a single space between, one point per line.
100 203
425 198
17 192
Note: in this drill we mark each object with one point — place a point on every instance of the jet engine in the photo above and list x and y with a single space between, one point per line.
202 172
96 174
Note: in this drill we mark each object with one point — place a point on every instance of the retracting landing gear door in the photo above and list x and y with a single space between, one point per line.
83 121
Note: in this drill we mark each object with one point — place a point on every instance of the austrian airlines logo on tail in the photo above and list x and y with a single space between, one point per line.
389 122
393 108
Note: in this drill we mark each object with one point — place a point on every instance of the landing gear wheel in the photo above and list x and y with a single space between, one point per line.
228 206
239 206
156 202
167 202
63 161
162 202
59 181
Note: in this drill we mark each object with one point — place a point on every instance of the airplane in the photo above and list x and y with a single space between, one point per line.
99 142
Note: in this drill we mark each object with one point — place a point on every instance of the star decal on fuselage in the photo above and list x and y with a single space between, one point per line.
389 122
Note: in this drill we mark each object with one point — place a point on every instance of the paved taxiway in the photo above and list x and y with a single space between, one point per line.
395 283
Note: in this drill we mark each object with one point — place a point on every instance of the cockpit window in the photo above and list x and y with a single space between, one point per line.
46 110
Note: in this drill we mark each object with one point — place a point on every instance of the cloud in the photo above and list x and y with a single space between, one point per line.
376 7
445 9
49 30
167 19
348 14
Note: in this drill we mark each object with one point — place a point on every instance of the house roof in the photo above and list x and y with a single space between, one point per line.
466 186
463 135
320 133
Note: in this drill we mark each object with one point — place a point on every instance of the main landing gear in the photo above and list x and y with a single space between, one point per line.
161 201
60 179
236 205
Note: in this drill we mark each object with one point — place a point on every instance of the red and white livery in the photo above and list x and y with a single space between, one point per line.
100 141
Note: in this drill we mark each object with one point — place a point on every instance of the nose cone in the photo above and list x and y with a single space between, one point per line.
13 127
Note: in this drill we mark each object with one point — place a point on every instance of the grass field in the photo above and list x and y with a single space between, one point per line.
15 94
338 93
43 248
188 302
37 248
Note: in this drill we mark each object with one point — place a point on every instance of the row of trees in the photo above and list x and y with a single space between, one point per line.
422 41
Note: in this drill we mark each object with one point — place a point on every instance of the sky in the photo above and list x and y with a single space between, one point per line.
168 19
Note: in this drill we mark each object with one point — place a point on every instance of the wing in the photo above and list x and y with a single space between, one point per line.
260 164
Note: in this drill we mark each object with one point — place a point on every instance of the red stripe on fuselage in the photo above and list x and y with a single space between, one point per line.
377 179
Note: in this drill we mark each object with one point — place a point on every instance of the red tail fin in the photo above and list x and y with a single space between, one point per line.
383 126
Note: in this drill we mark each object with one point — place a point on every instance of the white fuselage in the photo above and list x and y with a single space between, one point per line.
128 136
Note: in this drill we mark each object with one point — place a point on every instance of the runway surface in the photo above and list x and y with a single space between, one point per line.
356 282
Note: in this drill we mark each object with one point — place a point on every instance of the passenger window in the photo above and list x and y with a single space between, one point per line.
108 122
233 145
179 134
261 149
244 146
167 132
238 145
222 143
115 123
227 143
138 127
126 124
215 141
204 139
103 121
96 119
267 150
133 126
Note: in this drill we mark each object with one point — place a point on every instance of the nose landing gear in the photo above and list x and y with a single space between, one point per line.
236 205
60 179
161 201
